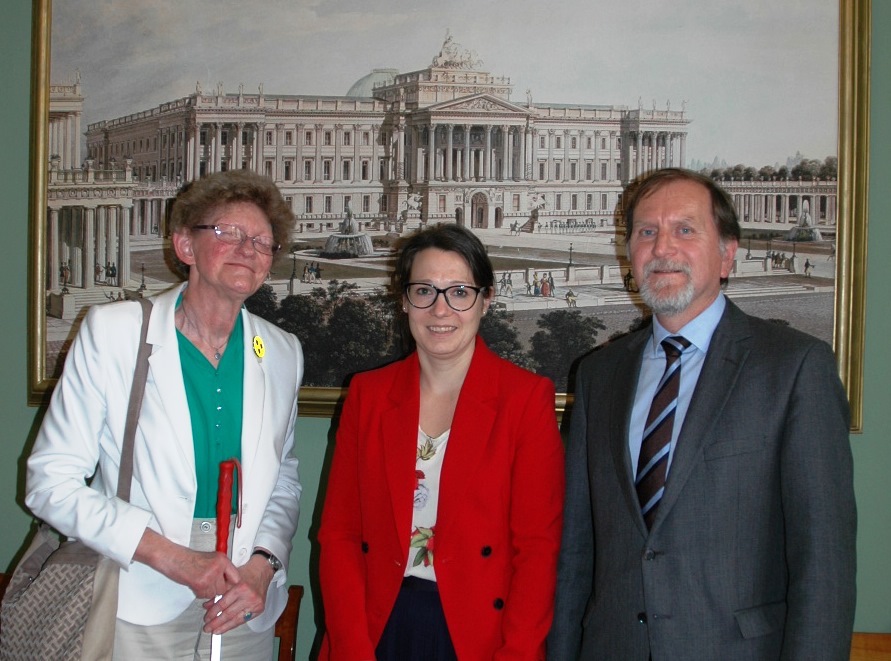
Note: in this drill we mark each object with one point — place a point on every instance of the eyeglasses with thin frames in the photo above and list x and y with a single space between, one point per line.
235 236
460 298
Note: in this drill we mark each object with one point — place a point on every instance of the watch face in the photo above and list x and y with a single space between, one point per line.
274 562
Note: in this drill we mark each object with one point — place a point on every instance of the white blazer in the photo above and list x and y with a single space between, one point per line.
84 427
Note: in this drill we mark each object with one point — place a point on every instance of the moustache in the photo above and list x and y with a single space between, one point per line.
666 265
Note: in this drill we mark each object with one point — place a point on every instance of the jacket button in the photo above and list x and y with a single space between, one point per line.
642 618
364 547
487 551
499 604
649 554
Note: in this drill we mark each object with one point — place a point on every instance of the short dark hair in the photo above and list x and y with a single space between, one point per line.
723 210
451 238
197 199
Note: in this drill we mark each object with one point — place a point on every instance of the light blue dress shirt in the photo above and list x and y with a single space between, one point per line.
699 332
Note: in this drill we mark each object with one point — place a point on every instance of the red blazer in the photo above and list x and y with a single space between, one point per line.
498 523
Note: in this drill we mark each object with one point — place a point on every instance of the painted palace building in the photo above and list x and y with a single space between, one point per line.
445 142
442 144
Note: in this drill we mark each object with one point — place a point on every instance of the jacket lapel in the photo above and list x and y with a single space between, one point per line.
619 411
399 436
727 354
254 395
165 372
472 429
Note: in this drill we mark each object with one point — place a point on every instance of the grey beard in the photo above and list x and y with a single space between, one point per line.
664 302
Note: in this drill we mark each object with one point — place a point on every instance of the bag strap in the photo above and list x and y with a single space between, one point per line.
125 476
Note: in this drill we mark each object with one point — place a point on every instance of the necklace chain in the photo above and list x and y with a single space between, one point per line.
217 350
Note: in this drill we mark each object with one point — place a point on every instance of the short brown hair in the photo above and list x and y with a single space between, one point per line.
723 210
200 198
451 238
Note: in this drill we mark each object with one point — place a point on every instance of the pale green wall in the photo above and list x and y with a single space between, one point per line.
872 449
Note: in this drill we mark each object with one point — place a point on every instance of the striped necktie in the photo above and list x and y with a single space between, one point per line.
652 464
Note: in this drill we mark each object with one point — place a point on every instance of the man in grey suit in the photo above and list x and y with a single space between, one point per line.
710 508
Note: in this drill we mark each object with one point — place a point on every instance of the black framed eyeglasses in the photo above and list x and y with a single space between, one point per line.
460 298
235 236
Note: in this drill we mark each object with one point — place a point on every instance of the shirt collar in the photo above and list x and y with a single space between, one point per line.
698 331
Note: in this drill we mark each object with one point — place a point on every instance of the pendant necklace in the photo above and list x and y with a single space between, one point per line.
217 350
428 447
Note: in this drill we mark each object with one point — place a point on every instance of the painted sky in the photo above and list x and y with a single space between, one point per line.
759 78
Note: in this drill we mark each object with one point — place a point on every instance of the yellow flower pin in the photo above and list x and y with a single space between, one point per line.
259 347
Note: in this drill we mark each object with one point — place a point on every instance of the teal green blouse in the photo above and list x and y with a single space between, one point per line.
216 408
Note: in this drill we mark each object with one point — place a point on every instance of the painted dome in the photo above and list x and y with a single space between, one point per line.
365 85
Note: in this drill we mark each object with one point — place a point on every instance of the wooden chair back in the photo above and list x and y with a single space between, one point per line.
286 625
870 646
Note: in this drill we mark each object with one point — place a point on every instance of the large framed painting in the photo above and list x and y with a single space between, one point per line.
523 122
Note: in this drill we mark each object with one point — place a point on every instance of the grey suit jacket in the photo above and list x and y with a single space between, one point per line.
752 553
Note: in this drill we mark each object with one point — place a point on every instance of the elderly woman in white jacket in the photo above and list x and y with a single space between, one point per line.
222 383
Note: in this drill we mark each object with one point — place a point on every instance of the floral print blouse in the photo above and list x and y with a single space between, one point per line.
428 468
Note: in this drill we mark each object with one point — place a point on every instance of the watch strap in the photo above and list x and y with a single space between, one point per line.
274 562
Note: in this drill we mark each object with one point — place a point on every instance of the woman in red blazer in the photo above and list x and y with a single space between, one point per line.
441 525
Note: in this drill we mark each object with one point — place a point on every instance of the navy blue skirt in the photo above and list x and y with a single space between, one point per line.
416 629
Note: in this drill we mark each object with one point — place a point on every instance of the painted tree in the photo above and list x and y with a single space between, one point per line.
304 316
565 336
264 303
501 336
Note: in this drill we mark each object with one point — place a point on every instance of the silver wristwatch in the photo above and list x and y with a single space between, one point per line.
274 562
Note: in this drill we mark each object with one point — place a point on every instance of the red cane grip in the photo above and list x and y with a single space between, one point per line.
224 504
